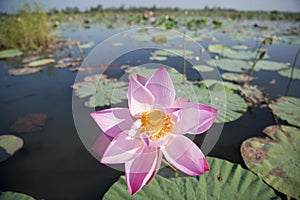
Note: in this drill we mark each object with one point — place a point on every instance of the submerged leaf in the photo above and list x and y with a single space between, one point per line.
29 123
225 181
9 144
276 159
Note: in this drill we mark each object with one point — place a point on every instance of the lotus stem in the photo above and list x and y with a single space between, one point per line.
292 72
294 64
173 168
184 57
83 58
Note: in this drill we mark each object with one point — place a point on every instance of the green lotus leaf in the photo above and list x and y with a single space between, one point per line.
203 68
231 65
287 73
287 108
101 90
9 144
10 53
14 196
42 62
276 158
240 78
270 65
225 180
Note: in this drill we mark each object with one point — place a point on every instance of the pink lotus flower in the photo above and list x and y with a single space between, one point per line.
153 126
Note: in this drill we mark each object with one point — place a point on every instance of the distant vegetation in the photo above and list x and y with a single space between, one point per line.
30 28
26 30
208 12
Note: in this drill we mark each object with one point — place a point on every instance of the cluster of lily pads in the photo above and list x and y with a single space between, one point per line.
36 63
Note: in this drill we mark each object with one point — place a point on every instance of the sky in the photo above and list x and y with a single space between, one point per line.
11 6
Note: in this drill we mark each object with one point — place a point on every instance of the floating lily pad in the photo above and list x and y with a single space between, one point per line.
287 108
14 196
240 47
9 144
159 39
172 52
229 104
67 62
10 53
231 65
240 78
158 58
30 59
117 44
24 71
203 68
230 53
270 65
87 45
217 48
276 159
287 73
42 62
101 90
29 123
225 181
253 95
229 85
109 92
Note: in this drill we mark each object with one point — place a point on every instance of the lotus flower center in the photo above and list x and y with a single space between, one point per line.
155 124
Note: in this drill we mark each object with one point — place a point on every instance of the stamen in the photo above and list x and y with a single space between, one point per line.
155 124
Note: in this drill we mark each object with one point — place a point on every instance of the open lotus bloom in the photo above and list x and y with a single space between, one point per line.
152 127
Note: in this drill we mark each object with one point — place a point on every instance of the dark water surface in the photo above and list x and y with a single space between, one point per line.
54 164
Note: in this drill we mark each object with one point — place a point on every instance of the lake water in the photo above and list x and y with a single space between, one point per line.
54 164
